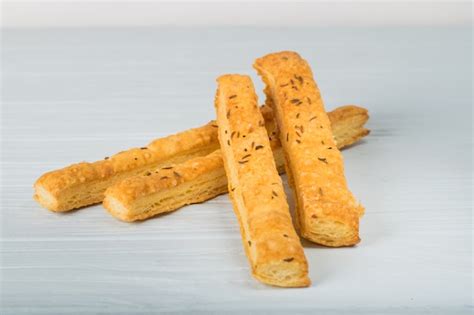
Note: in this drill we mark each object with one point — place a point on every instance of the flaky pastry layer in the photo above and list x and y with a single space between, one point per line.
85 183
327 212
144 196
256 190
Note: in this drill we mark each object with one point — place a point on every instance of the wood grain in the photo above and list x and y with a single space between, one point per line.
72 94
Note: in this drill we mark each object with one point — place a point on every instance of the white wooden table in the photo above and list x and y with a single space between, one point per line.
82 94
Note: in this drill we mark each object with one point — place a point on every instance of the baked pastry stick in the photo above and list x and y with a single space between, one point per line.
84 183
327 212
270 241
167 189
202 178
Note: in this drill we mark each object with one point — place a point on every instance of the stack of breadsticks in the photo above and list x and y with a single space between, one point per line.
242 153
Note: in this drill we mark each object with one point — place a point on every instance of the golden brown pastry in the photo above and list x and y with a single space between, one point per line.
202 178
327 212
167 189
270 241
84 183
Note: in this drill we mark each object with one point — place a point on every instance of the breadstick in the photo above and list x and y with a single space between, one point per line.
167 189
84 183
270 241
202 178
327 212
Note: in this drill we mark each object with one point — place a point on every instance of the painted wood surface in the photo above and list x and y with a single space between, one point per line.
81 94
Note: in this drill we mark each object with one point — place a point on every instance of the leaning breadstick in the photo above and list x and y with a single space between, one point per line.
327 212
84 183
270 241
202 178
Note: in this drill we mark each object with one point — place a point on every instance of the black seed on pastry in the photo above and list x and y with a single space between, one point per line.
106 158
295 100
232 96
167 167
289 259
258 147
143 148
299 78
323 160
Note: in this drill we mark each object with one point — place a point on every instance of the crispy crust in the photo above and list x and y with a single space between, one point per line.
352 130
270 241
84 183
327 212
142 197
166 189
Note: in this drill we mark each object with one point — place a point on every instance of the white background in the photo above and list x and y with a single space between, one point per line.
255 13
